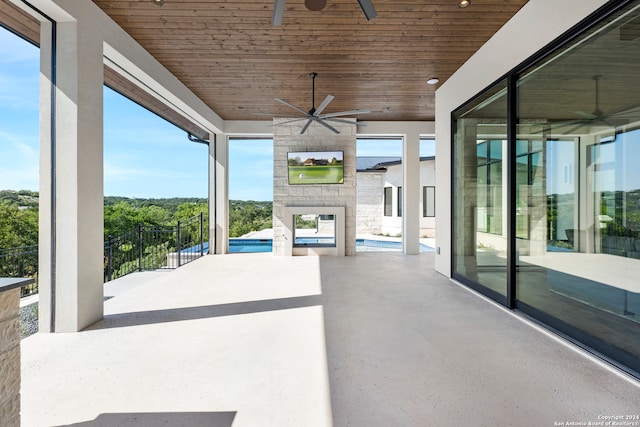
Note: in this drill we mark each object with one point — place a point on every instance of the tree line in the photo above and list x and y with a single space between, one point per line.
19 215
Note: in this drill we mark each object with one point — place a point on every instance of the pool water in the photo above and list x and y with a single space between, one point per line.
362 245
250 245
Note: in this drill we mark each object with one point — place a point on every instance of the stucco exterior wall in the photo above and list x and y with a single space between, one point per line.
427 178
392 224
370 207
393 178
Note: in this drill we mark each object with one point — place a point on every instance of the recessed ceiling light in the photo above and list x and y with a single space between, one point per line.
464 3
433 80
157 2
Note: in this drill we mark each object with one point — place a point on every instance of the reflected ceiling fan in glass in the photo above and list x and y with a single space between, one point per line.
595 118
315 114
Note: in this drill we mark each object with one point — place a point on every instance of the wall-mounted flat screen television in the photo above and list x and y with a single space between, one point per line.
316 167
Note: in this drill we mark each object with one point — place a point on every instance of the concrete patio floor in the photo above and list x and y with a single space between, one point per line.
378 339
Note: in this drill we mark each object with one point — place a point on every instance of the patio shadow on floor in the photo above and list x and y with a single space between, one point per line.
176 419
203 312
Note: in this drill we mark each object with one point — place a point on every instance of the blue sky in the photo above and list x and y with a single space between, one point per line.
144 156
18 113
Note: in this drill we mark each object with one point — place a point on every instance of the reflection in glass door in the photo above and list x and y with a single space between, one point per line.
616 198
480 194
573 189
578 251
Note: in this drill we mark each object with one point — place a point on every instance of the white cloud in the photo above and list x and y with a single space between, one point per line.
19 164
251 147
19 92
262 169
12 144
123 173
150 182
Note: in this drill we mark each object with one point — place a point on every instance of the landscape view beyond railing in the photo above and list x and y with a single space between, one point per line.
139 234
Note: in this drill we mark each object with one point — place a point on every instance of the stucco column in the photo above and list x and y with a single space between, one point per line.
411 193
212 195
71 183
221 183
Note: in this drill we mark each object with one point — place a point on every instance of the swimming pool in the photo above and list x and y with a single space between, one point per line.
250 245
362 245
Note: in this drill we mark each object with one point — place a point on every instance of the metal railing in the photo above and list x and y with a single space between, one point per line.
21 262
154 247
190 241
142 248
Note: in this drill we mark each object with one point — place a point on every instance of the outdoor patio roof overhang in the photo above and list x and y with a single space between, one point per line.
231 57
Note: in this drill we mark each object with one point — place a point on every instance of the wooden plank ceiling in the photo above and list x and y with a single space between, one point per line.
229 54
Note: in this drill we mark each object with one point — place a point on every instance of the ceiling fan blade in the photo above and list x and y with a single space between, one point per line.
271 114
553 127
290 121
304 129
368 9
613 122
343 113
349 122
324 104
327 125
575 128
292 106
586 115
278 11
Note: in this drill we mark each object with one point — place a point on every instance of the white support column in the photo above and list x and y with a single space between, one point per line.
411 193
71 186
46 277
212 195
222 194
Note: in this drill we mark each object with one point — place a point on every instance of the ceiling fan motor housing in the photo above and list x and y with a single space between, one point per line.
315 5
315 115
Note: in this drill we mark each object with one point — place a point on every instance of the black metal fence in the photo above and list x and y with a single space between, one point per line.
143 248
154 247
21 262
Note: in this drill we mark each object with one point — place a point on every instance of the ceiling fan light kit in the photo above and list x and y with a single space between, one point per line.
315 114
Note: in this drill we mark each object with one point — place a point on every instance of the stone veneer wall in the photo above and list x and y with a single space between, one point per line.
287 138
10 358
370 207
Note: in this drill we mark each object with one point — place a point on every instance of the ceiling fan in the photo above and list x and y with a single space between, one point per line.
595 118
316 5
315 115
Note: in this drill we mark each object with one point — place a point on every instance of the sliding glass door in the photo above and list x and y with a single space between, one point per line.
479 178
546 205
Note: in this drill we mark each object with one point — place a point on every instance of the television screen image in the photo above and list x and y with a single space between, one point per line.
316 167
